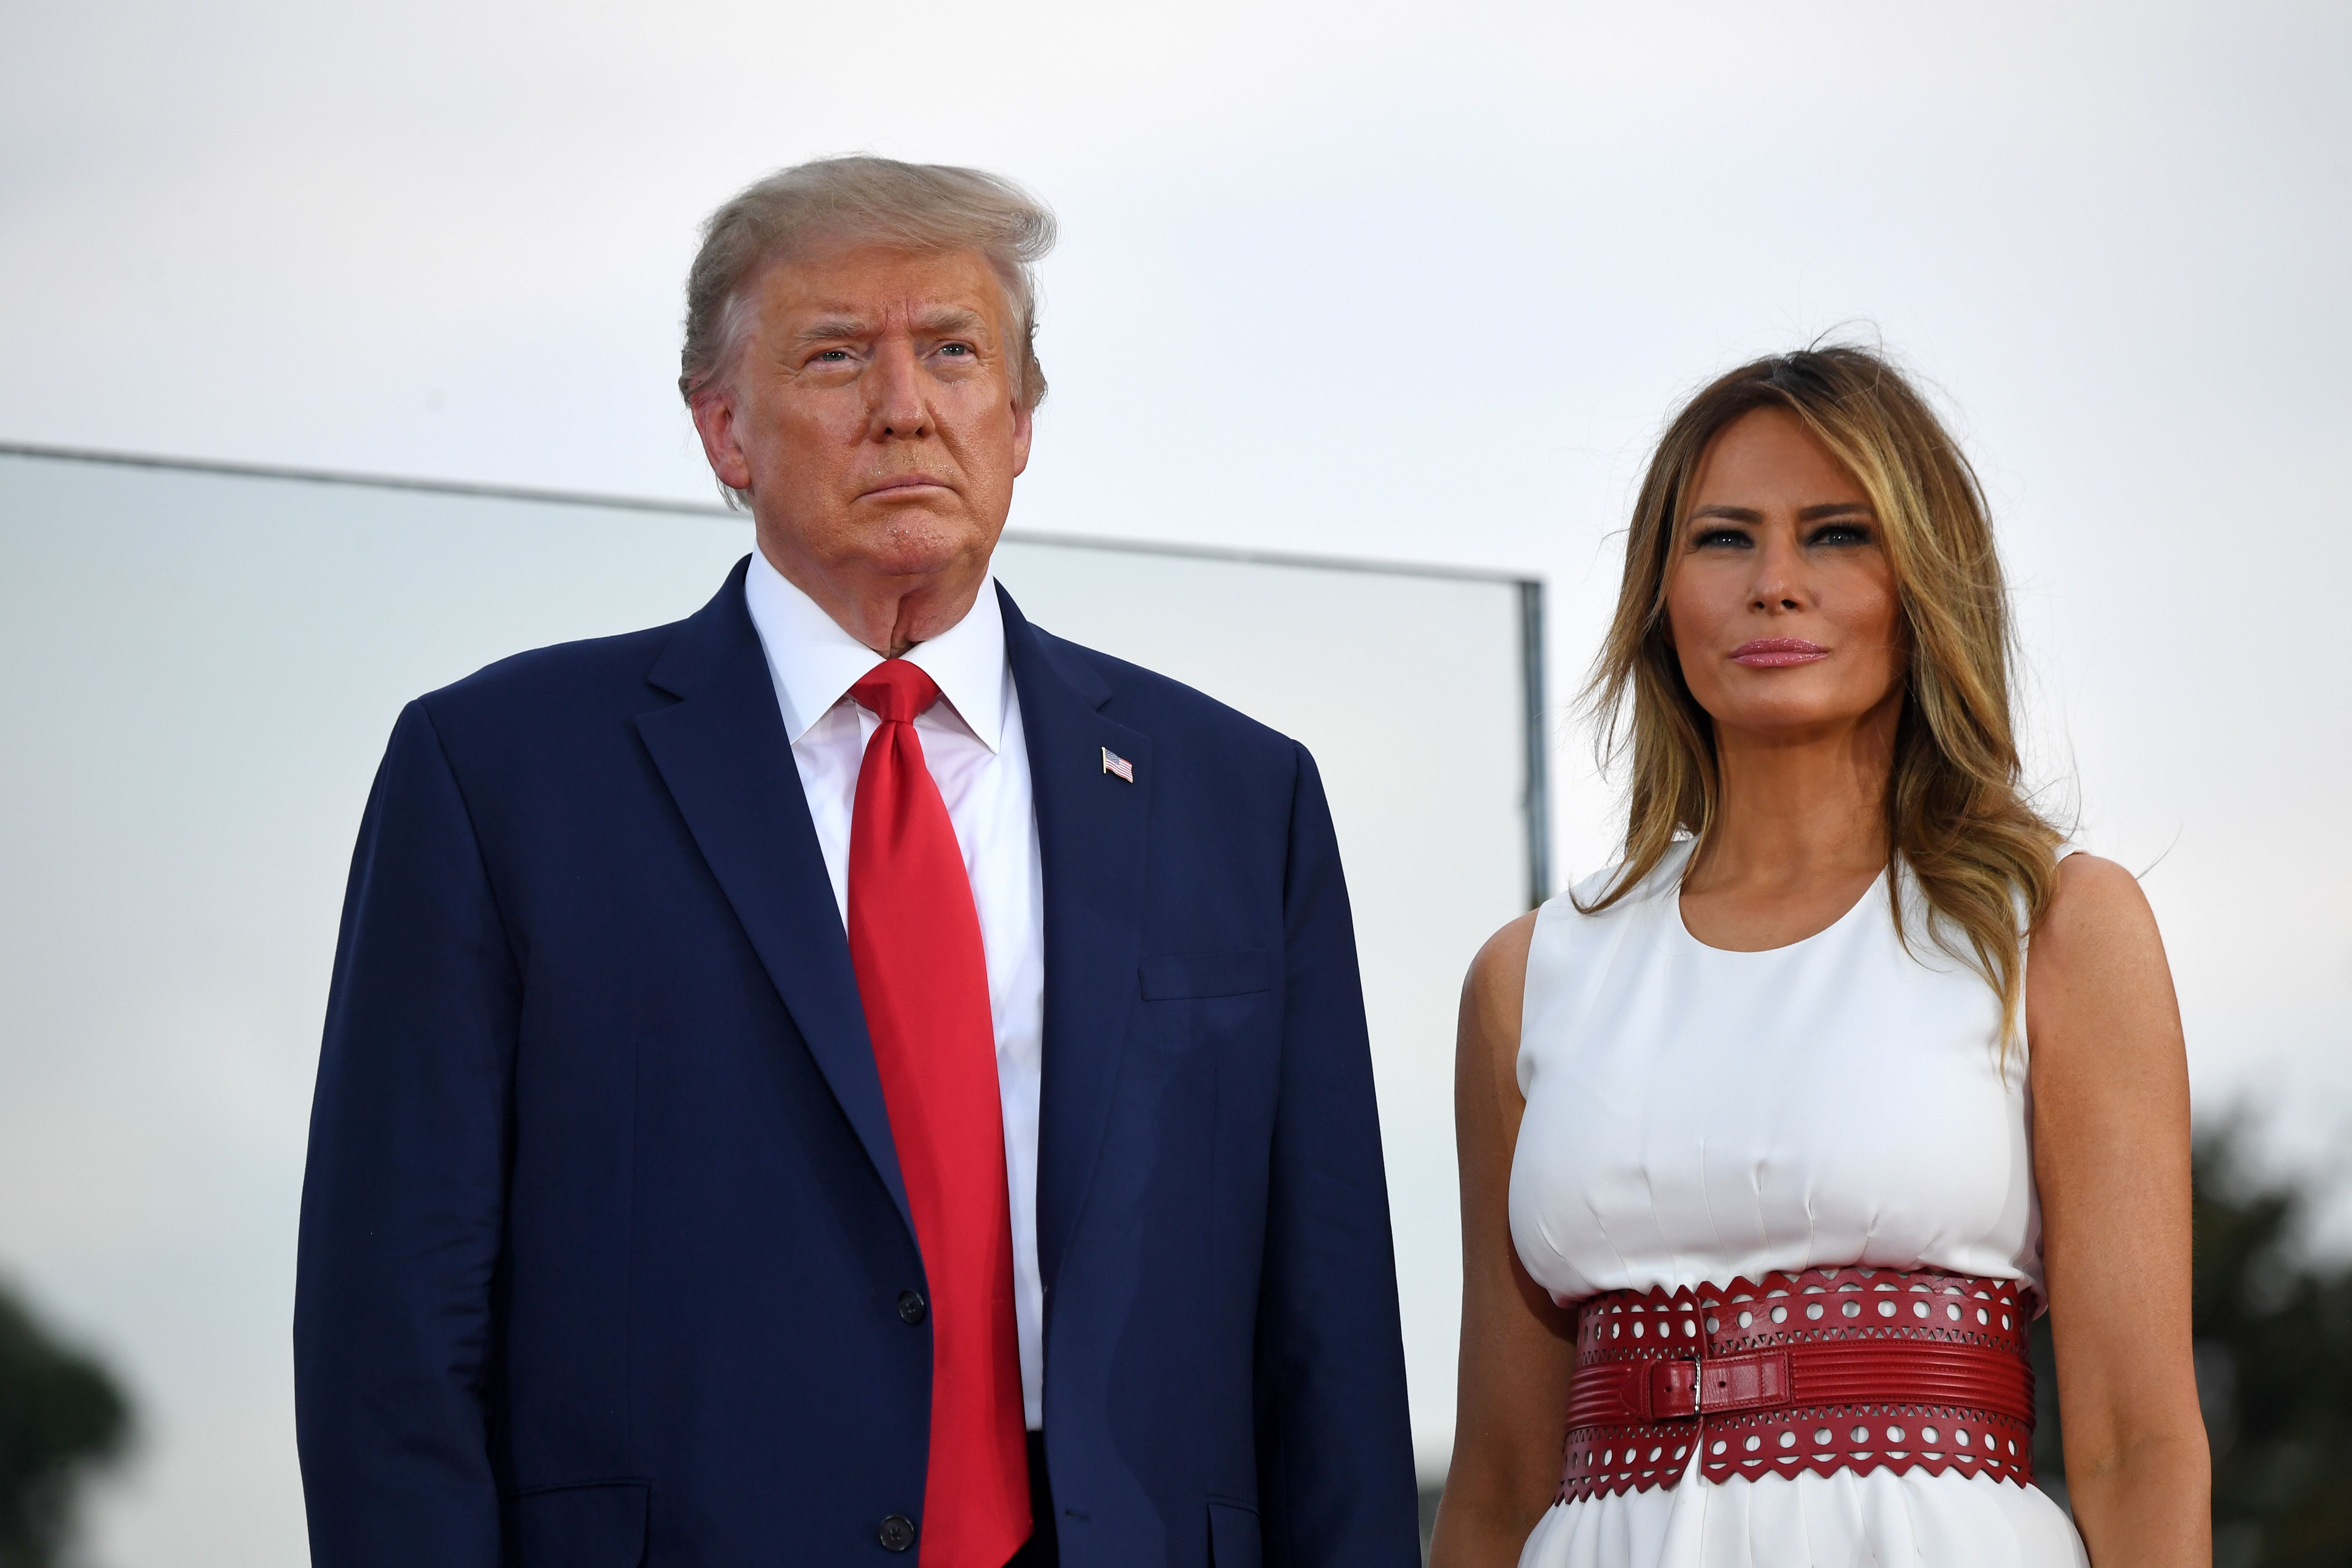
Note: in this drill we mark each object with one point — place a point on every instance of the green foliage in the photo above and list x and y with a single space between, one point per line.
2274 1373
60 1414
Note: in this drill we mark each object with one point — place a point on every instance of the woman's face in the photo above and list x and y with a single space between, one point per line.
1780 597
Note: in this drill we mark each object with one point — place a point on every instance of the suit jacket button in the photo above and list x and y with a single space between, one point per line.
911 1310
897 1532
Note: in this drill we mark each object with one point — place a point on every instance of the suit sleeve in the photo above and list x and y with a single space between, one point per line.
1335 1447
402 1201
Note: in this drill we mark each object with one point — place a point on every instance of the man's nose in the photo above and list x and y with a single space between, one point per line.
896 407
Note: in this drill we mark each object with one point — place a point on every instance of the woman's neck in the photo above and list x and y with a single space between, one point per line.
1794 811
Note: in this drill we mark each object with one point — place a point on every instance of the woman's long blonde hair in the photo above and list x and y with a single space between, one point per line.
1958 819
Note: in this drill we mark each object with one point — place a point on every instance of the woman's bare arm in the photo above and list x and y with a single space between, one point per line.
2110 1081
1517 1348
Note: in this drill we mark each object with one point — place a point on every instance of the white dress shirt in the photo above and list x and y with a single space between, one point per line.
973 746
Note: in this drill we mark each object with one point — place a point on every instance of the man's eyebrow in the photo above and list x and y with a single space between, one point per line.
843 327
833 330
950 318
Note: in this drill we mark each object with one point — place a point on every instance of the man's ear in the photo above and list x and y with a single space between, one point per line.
714 421
1023 418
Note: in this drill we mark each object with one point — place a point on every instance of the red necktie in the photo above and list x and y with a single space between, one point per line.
922 975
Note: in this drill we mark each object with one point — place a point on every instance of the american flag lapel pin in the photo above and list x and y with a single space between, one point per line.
1115 764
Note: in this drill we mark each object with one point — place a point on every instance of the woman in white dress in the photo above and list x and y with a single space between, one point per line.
1772 1142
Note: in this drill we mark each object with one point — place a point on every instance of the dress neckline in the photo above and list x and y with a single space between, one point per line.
1673 893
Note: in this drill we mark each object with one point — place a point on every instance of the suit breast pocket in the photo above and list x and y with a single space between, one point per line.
600 1524
1192 976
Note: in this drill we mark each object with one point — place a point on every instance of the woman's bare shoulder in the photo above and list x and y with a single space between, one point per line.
1497 982
2098 977
2098 904
1502 961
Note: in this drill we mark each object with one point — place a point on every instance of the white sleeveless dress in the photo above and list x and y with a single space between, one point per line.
1697 1115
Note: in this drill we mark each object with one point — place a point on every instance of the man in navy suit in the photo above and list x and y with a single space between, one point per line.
849 1073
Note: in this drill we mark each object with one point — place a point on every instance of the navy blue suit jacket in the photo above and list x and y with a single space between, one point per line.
604 1235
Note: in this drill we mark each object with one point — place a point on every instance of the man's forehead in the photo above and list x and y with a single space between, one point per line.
872 287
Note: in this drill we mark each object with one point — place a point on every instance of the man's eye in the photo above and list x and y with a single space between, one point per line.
833 356
961 350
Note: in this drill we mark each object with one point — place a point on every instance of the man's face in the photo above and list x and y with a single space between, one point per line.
872 416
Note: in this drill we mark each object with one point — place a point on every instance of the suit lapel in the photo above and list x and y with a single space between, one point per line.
722 751
1091 830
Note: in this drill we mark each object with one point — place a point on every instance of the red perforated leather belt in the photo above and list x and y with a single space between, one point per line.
1833 1369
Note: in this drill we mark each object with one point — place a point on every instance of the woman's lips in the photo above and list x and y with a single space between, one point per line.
1778 653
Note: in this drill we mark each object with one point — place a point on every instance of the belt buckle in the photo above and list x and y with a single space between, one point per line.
1671 1388
1684 1390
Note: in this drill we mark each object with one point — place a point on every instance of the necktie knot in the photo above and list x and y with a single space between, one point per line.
894 692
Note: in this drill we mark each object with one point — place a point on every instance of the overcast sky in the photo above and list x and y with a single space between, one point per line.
1408 280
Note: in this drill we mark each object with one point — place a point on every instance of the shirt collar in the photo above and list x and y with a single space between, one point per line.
814 663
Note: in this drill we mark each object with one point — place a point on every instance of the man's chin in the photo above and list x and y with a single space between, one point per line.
913 539
903 540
